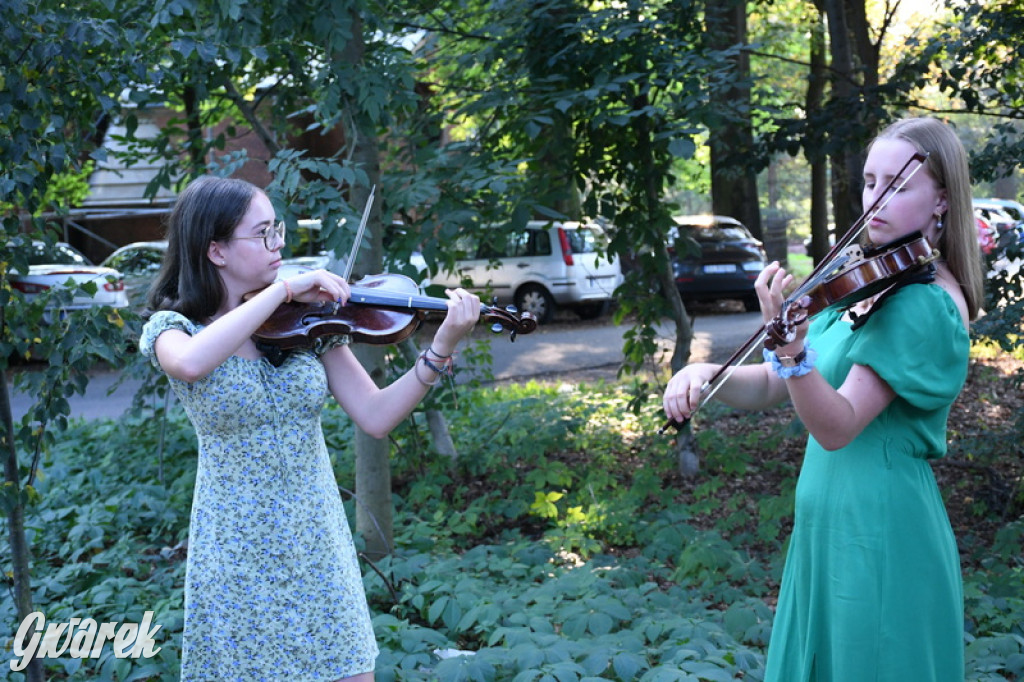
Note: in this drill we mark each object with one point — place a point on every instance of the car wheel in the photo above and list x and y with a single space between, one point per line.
592 311
535 299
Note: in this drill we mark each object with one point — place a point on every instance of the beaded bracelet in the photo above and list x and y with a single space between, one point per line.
287 291
803 362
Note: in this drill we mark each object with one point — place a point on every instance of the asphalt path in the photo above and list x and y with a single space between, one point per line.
566 346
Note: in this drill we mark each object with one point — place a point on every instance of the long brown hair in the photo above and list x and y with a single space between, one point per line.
947 163
208 210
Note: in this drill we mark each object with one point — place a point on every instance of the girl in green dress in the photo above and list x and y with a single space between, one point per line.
871 589
272 590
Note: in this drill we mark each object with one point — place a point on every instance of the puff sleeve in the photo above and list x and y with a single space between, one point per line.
917 343
157 325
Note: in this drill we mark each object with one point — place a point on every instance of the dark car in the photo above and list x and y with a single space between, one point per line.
715 258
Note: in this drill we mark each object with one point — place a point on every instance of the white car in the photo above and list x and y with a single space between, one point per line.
139 263
544 266
1007 207
53 266
1004 218
318 257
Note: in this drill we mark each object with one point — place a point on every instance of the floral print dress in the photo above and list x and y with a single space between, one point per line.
273 590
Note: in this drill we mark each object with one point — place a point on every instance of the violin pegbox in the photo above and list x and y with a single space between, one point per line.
509 318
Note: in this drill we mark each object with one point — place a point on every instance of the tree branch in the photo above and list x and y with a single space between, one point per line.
249 113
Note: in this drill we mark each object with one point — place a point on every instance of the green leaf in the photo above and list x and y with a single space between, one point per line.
682 147
628 666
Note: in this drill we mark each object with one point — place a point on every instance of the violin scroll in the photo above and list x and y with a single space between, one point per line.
509 319
782 328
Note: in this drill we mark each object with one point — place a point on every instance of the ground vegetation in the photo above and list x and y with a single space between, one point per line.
562 545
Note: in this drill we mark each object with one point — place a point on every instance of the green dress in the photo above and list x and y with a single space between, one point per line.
273 590
871 591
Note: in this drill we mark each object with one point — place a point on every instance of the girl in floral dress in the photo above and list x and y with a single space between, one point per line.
273 590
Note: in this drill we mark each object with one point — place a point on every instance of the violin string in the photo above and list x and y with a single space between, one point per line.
370 295
359 234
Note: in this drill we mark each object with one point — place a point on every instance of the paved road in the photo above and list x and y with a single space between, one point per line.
567 345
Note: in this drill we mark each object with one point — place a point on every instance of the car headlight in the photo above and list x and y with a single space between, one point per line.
754 265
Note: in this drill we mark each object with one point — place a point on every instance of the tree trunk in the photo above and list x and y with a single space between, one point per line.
552 170
731 142
436 422
845 165
374 512
555 166
816 141
854 90
374 516
684 329
21 554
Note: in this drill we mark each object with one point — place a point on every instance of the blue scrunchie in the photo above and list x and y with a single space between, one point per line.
804 367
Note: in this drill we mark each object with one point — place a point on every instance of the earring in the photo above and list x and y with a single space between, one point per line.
938 225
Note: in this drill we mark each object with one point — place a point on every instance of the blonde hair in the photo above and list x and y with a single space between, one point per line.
947 164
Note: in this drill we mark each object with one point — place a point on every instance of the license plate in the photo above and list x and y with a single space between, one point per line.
716 269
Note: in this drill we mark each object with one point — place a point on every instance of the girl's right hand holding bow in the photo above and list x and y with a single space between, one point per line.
683 393
316 285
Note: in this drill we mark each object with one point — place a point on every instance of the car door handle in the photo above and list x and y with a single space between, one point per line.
522 266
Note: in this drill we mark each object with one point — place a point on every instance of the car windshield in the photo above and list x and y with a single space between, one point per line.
137 261
58 254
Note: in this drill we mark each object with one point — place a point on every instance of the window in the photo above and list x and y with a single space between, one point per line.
583 240
58 254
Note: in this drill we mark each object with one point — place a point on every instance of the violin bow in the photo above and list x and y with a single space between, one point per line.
833 259
359 234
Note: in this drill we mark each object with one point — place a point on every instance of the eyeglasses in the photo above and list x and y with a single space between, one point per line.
270 234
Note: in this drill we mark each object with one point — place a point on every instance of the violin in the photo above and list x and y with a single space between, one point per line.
383 309
849 273
864 272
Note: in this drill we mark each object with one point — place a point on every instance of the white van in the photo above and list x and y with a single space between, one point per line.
540 268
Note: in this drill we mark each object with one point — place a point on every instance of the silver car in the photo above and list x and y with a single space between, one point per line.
540 268
140 262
